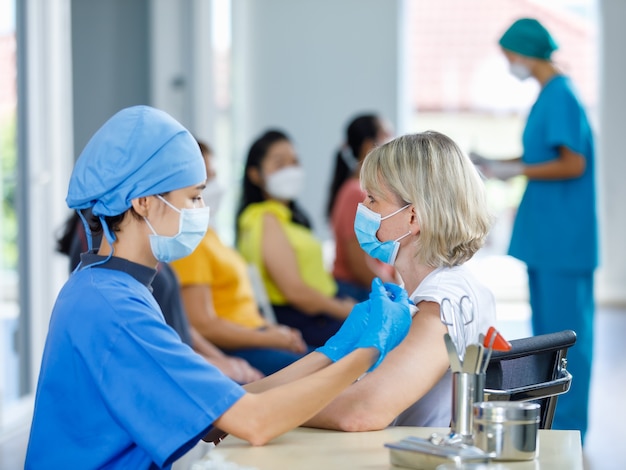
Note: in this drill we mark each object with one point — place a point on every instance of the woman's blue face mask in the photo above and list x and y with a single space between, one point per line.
366 225
192 228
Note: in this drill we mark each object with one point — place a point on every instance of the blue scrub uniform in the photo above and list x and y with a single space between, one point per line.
555 234
117 387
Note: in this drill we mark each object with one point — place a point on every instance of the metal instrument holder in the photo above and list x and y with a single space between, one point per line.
467 389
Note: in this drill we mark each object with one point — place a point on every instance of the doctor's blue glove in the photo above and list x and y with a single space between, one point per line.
344 341
389 319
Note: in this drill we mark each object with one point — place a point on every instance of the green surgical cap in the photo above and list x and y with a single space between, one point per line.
529 38
140 151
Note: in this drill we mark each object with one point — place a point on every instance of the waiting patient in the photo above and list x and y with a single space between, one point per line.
219 299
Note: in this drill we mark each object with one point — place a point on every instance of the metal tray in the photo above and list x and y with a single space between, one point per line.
422 454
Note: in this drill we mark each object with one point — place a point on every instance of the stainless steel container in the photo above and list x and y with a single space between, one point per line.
467 389
507 430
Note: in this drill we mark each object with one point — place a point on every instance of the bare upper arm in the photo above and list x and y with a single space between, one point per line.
198 302
279 257
406 375
567 165
573 163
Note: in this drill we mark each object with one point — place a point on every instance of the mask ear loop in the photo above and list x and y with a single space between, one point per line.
396 212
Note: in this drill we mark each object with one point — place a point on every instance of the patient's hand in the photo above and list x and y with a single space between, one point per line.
287 338
236 368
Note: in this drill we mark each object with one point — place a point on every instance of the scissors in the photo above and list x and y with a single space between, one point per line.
457 319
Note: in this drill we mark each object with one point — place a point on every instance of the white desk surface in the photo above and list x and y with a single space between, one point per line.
315 449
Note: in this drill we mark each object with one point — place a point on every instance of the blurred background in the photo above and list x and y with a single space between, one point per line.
229 69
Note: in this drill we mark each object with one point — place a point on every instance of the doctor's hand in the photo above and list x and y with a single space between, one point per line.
502 169
498 169
389 319
344 341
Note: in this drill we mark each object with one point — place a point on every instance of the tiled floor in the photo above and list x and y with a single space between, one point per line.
607 408
13 450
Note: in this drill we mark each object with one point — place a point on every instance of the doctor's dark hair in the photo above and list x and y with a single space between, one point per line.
361 128
430 172
251 193
71 228
74 226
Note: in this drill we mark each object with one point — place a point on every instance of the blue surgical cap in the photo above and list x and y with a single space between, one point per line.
140 151
529 38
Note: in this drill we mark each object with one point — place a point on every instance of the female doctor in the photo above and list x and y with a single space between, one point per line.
556 228
117 388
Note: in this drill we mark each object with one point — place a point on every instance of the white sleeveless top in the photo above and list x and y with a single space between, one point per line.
434 408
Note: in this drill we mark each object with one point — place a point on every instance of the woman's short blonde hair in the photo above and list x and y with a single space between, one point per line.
429 171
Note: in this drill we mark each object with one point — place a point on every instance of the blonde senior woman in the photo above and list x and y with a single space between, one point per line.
425 213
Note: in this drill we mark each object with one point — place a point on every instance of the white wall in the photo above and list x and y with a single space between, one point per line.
611 285
308 67
181 69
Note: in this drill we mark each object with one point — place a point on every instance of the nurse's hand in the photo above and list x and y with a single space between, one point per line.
501 169
344 341
388 321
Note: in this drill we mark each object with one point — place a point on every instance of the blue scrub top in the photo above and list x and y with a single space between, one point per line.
117 387
556 223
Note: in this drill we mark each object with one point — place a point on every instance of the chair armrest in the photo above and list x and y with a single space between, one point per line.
554 387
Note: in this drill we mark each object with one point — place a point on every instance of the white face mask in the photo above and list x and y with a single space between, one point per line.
286 183
520 71
213 195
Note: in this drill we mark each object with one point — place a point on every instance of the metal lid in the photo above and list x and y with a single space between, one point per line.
502 411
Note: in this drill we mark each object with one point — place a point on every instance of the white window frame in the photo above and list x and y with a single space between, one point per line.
46 156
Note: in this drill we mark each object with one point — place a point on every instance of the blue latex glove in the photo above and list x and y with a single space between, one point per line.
344 341
389 319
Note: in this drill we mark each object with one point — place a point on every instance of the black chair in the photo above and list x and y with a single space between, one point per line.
533 370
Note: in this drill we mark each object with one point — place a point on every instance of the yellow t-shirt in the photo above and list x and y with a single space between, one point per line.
225 271
307 248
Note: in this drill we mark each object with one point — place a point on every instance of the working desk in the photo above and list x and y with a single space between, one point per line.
314 449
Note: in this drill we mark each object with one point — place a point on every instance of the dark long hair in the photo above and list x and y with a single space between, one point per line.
362 127
251 193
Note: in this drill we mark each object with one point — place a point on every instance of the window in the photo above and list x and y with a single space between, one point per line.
461 87
9 306
36 156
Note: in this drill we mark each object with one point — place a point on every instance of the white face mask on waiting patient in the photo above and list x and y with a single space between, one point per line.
285 184
213 195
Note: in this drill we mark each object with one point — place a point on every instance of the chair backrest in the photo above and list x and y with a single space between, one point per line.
260 294
533 370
